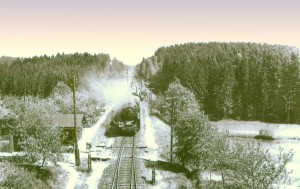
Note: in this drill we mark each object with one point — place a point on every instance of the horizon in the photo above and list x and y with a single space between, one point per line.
133 30
111 57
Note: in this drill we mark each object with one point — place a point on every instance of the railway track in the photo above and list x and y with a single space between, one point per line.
125 171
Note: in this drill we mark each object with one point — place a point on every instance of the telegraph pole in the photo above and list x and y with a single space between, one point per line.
25 89
77 156
127 77
150 99
172 124
172 118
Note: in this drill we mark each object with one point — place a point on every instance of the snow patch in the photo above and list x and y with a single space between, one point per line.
98 168
150 138
89 133
72 174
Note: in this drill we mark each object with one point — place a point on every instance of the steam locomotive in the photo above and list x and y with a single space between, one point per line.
126 121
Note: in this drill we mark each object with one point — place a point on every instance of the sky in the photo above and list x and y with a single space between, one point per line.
132 29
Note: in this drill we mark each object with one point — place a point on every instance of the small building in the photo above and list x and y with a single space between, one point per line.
66 121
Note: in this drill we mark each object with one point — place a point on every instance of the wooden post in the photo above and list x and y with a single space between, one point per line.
25 90
153 173
172 125
150 100
77 155
127 77
172 120
89 163
11 144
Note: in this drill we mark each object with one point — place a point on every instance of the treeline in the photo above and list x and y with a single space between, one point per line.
243 81
37 76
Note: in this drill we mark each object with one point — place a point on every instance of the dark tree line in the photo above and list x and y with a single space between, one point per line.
243 81
37 76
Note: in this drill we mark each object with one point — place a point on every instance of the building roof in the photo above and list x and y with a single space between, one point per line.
67 120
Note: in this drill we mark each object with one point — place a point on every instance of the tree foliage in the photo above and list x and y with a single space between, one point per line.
184 101
193 133
246 81
252 167
36 133
37 76
22 179
201 147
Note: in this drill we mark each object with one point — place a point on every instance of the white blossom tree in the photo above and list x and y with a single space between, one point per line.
37 135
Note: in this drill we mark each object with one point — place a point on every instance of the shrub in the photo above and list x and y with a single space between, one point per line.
265 134
22 179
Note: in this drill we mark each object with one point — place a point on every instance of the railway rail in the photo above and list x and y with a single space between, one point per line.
125 171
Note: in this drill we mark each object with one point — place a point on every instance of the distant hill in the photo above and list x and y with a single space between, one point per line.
242 81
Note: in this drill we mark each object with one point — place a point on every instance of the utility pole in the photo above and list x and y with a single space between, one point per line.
172 125
172 118
127 78
150 99
141 84
25 89
77 155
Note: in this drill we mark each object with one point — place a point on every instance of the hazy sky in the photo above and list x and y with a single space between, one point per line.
132 29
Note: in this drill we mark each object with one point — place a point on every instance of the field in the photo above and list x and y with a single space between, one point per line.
286 136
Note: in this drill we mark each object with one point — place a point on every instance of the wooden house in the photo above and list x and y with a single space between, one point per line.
66 122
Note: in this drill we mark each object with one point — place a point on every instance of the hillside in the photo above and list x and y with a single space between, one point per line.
242 81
